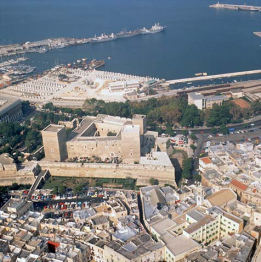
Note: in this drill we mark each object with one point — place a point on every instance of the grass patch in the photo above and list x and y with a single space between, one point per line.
76 182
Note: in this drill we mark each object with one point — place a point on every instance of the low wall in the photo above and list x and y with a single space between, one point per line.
7 178
162 173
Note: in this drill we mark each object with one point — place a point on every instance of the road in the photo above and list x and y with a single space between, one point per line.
207 130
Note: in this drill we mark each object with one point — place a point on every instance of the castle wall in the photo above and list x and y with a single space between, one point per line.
7 178
104 128
166 174
102 149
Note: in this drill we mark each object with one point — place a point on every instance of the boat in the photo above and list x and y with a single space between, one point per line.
251 9
144 31
154 29
157 28
198 74
124 33
42 50
205 74
103 38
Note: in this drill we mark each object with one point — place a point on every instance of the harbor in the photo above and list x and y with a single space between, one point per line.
46 45
244 7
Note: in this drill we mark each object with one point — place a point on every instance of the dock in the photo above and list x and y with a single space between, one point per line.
210 77
237 7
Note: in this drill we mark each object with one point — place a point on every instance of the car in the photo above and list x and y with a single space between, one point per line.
252 124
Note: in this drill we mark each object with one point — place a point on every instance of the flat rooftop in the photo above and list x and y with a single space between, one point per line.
53 128
131 129
8 103
180 245
156 158
196 96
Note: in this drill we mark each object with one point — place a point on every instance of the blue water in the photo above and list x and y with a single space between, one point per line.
197 38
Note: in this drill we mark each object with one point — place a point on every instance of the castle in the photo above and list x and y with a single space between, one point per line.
107 137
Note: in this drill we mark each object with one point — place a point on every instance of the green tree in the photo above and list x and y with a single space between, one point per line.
223 129
191 116
213 130
193 136
154 181
219 115
193 147
187 168
185 132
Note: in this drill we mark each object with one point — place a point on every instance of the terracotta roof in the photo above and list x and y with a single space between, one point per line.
241 103
239 185
206 160
222 197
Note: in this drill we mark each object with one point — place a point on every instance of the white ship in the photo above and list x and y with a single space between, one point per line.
103 38
157 28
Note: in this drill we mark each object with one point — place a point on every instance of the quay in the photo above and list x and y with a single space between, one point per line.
200 78
237 7
257 34
45 45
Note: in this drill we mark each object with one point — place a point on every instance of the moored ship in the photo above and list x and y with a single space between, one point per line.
124 33
103 38
157 28
246 8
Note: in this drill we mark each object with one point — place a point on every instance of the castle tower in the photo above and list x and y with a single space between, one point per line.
199 195
54 142
140 120
130 143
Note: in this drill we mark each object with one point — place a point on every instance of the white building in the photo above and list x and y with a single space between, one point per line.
124 86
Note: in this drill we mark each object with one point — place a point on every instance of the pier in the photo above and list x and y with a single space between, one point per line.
237 7
200 78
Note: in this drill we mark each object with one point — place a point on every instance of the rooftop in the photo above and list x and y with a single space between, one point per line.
179 245
8 103
239 185
195 96
221 197
206 160
131 129
53 128
156 158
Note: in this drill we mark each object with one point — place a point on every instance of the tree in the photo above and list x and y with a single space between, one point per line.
184 132
154 181
187 168
219 114
193 136
256 107
213 130
26 107
223 129
193 147
191 116
197 177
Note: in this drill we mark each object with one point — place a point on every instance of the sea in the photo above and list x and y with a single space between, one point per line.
197 38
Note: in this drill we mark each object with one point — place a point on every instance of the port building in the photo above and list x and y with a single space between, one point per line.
124 86
10 110
205 102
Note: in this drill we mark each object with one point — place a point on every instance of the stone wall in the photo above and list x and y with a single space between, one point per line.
165 174
7 178
100 148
